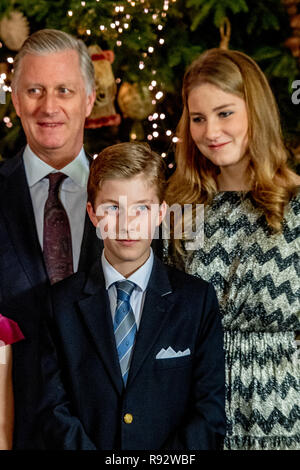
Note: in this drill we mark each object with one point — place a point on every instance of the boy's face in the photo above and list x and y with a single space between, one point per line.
127 211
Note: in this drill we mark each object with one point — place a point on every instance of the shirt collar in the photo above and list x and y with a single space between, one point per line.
36 169
139 277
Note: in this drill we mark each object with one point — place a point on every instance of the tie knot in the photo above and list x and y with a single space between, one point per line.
55 180
124 290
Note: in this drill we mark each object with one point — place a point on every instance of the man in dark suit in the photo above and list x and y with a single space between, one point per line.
44 234
133 353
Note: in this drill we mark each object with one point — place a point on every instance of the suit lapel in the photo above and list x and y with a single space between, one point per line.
21 225
157 307
91 246
96 315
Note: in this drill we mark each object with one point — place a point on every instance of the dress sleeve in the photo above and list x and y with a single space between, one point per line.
9 331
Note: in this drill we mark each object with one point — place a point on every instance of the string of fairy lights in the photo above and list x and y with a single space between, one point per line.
122 16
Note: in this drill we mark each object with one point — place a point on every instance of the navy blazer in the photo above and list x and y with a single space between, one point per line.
176 403
24 288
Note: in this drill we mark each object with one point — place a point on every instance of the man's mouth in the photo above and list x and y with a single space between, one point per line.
50 124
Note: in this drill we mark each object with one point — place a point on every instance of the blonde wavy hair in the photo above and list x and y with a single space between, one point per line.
272 183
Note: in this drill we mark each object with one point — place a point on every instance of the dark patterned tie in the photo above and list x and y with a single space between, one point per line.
57 241
124 326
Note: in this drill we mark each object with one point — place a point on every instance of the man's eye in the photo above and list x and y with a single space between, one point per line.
34 91
64 91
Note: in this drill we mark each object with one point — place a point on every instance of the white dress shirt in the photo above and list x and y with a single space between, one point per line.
72 194
139 277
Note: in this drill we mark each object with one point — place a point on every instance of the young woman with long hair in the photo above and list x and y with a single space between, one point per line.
230 157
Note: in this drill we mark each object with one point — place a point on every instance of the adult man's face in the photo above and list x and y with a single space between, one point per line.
52 103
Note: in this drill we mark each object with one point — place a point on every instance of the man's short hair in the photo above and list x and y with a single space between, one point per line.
49 41
127 160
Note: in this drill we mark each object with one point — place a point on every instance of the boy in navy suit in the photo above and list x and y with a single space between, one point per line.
133 358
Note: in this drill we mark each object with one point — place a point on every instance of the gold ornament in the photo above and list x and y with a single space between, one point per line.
135 102
14 29
293 42
103 113
225 32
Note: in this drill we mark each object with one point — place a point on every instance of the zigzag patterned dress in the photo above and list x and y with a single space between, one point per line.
257 280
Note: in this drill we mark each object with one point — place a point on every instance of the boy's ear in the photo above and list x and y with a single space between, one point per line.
92 214
162 212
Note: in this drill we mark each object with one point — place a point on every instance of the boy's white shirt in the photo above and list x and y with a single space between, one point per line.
140 277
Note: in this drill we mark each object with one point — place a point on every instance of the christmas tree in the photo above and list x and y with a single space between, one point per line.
151 44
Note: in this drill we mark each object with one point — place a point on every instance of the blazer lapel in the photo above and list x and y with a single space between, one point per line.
157 307
19 216
96 315
91 246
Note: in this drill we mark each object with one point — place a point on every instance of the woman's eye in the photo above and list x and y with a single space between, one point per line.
197 119
225 114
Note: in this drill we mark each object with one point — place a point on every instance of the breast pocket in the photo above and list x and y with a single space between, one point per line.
174 362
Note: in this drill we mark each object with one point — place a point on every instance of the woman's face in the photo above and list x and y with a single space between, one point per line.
218 125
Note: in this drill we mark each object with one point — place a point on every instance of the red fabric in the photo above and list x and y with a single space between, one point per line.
113 120
104 55
9 331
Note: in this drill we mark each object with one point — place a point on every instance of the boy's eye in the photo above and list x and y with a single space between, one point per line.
142 208
111 209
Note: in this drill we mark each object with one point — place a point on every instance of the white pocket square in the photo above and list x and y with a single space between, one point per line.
170 353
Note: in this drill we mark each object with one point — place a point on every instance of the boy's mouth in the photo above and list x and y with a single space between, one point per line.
127 242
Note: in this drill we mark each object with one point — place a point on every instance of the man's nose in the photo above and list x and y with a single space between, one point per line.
49 104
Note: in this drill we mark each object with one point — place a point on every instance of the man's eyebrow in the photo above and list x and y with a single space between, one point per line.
214 109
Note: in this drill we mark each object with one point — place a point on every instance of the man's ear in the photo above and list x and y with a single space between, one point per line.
15 101
162 212
90 100
92 214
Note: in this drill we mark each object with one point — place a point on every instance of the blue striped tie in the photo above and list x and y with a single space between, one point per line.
124 326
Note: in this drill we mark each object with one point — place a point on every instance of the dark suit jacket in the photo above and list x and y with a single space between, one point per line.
24 288
176 403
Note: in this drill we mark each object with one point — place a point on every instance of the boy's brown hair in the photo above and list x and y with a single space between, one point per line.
127 160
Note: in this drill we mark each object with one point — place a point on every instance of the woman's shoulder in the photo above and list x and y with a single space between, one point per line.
9 331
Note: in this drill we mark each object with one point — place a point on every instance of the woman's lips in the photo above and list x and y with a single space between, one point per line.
218 146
